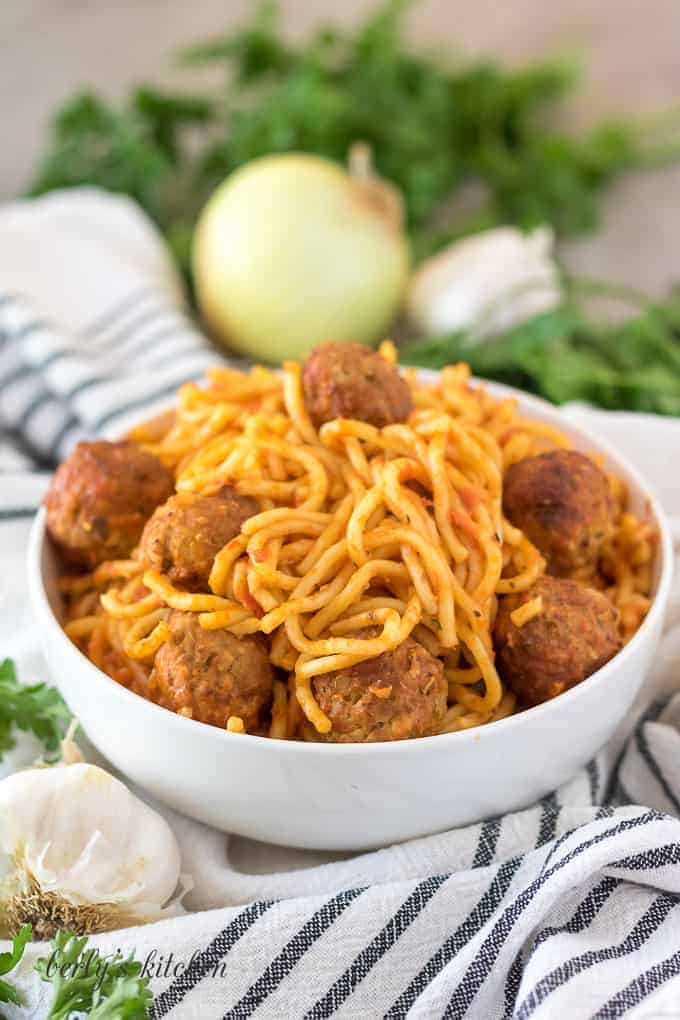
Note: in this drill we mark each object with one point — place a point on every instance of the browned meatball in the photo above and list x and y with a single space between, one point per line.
212 673
562 501
574 635
352 381
184 535
100 499
399 694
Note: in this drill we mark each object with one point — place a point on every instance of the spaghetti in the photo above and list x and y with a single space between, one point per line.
366 535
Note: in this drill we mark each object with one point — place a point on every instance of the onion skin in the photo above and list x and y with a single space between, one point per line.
291 251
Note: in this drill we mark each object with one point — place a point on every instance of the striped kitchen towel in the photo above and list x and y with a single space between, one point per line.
569 909
93 327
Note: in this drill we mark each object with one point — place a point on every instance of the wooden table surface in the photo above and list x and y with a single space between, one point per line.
631 51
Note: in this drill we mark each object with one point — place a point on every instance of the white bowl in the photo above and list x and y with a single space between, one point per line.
355 796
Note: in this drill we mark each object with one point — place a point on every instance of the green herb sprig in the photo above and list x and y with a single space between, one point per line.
102 987
83 981
38 708
567 354
9 962
434 124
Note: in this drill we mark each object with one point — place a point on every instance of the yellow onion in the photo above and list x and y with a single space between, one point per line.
292 250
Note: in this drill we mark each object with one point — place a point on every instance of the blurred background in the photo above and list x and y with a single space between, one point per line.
628 49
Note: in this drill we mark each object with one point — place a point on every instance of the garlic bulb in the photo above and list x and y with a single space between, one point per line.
81 852
489 281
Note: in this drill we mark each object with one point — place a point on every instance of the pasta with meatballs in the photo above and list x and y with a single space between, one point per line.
343 552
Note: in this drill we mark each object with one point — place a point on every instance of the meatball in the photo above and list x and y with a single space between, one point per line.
399 694
352 381
212 673
562 502
100 499
184 535
574 634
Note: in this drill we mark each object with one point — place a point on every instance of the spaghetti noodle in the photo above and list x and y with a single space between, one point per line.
366 535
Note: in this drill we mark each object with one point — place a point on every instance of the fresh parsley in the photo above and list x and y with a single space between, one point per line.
38 708
567 354
83 981
435 125
8 962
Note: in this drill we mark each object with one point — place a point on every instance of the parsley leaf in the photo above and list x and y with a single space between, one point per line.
565 354
103 987
10 960
38 708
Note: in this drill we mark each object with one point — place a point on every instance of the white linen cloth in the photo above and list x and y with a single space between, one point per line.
568 909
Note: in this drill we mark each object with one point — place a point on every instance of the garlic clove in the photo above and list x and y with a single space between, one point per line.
78 846
490 281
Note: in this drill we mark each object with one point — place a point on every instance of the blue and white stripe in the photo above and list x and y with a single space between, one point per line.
551 933
56 388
